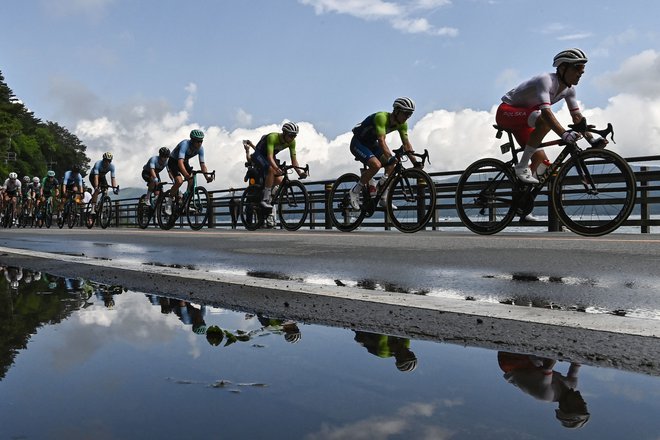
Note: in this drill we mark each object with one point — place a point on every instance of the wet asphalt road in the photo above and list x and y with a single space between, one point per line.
615 274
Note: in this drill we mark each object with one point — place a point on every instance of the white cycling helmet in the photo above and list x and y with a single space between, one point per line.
290 128
26 179
36 179
404 104
13 176
570 56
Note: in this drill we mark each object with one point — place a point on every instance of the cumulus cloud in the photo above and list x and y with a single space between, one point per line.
402 16
134 131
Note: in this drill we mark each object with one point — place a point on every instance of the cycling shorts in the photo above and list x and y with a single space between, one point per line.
173 166
146 176
363 152
102 180
261 163
520 121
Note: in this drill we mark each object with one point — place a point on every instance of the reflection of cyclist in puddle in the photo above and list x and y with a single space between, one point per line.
289 328
535 376
385 346
187 313
13 275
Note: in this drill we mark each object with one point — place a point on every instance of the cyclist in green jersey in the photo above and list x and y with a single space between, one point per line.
369 146
264 158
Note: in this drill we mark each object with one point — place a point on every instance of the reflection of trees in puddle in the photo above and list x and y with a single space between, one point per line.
31 299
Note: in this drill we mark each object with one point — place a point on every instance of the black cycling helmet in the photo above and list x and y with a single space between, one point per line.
164 151
75 169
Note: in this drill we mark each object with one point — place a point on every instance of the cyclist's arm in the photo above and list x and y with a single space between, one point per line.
551 121
181 163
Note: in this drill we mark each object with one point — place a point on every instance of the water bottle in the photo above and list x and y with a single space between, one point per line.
372 188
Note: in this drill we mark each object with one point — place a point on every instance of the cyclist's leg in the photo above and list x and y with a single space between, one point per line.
369 157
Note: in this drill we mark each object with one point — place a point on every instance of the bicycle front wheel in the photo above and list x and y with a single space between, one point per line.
411 200
105 212
293 205
250 207
338 205
63 216
72 217
485 196
48 214
594 192
198 208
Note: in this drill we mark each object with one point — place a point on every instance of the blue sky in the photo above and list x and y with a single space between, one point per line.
131 76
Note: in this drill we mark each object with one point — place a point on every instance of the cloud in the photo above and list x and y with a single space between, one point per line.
134 131
92 9
401 16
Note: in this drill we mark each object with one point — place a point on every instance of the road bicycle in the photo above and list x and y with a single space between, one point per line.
410 200
11 207
100 213
592 191
147 206
45 212
72 210
195 205
290 198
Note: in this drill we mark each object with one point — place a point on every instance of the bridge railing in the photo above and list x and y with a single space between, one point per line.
225 204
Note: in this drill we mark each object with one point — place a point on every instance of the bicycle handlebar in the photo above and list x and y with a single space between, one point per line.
582 127
399 152
285 169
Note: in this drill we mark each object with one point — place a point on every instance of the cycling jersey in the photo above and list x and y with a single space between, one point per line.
376 125
102 170
273 143
541 92
155 163
185 151
12 185
49 183
71 179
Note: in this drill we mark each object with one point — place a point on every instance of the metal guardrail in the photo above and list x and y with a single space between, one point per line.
225 212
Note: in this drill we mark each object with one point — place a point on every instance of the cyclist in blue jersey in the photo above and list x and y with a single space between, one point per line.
264 158
97 177
369 146
151 170
72 182
178 164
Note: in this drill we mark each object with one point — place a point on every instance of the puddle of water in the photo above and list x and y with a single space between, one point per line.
134 365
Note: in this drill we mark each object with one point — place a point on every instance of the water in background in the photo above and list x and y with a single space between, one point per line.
84 360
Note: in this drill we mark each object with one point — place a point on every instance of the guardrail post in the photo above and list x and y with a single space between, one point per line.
328 206
644 202
211 220
117 211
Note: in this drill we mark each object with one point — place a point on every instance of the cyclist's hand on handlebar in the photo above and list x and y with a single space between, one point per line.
115 190
209 178
570 137
302 174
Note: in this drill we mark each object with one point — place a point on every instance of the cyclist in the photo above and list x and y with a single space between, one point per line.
178 164
526 110
264 158
385 346
49 187
35 192
26 194
369 146
151 170
71 183
97 177
12 188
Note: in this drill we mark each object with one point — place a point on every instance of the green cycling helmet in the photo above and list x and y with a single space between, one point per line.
197 135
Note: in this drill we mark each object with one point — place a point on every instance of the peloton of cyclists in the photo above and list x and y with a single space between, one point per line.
369 146
526 110
264 158
98 178
178 164
151 170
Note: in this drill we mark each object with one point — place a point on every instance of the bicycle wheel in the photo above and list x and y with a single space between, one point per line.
484 196
413 193
61 219
197 208
252 214
166 212
105 212
293 205
48 214
338 205
90 218
7 219
144 212
594 192
72 217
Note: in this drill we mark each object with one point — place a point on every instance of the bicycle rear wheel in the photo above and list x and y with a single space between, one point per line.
63 216
144 212
166 214
252 214
594 192
72 217
485 196
413 193
198 208
293 205
89 217
105 212
338 205
48 214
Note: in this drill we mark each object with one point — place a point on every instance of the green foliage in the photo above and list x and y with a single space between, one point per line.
33 143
